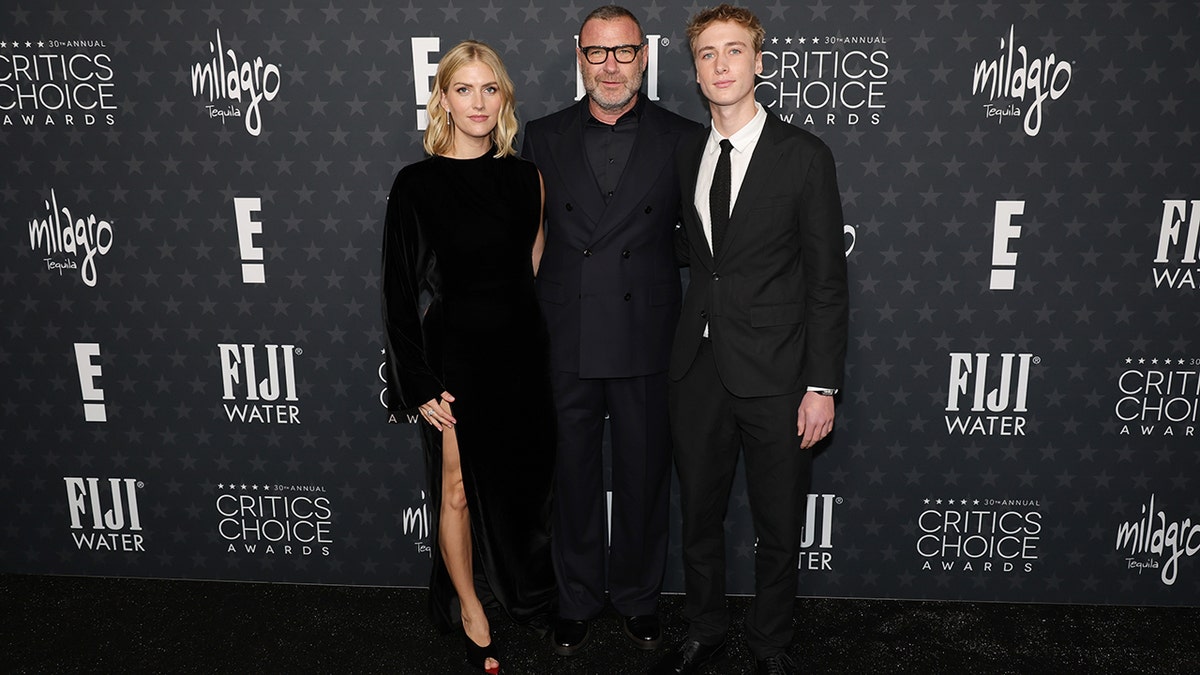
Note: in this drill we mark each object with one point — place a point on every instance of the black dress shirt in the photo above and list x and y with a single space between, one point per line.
608 146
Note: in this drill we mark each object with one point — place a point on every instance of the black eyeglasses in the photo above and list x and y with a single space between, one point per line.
622 53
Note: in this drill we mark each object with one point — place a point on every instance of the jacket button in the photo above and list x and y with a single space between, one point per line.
716 277
649 209
625 253
704 314
628 297
587 252
569 207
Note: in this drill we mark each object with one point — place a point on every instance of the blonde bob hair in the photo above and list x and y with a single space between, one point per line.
439 135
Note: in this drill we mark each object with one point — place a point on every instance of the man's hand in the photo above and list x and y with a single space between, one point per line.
814 418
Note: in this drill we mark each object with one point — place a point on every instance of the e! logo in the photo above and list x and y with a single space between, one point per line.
89 370
1004 261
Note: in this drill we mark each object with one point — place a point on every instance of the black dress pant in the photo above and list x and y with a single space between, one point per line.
641 486
710 426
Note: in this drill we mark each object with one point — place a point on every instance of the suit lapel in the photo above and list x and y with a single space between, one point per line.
651 151
687 181
570 163
759 172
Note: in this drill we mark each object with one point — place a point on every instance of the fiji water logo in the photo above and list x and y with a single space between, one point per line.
259 383
816 536
70 242
987 398
653 42
1014 75
1178 250
229 77
104 513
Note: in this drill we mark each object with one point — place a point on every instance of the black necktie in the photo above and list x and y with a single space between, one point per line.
718 197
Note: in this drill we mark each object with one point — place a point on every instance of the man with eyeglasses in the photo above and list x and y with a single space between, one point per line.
610 291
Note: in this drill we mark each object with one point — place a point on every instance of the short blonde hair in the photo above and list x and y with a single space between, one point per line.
439 134
725 12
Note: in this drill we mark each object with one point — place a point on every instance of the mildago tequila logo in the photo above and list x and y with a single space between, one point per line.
68 241
229 77
1013 75
1156 542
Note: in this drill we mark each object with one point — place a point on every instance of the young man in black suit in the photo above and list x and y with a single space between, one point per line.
609 289
759 351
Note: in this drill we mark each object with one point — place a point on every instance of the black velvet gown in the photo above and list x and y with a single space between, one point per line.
461 232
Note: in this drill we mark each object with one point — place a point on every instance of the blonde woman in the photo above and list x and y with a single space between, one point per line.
464 229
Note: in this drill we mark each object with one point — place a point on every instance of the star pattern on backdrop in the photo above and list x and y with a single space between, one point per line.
921 169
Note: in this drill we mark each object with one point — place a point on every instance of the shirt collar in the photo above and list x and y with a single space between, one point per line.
634 113
742 137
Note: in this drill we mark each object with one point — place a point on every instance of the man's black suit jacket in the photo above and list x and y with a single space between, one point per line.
608 282
775 296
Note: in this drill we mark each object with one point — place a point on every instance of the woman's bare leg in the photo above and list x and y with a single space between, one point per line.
454 536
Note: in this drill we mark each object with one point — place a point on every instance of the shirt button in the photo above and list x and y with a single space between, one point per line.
587 252
628 297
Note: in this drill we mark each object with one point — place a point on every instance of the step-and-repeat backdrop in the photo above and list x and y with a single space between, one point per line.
192 201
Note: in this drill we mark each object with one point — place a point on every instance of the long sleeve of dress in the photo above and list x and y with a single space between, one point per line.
407 264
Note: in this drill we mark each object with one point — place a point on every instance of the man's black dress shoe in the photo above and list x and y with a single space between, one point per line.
688 657
570 636
539 626
644 630
780 664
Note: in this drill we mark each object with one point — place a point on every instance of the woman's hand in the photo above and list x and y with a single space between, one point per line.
436 411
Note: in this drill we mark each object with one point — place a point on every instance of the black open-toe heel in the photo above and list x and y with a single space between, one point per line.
477 656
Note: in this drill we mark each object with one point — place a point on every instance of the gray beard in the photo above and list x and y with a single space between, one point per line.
617 106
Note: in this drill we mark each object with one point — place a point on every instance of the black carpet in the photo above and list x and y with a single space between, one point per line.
67 625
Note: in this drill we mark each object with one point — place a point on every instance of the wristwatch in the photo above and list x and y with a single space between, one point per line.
823 391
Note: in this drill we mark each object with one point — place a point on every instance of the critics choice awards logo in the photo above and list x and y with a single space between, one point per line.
1016 84
235 86
814 80
979 535
56 83
1175 259
259 383
69 240
274 519
1154 541
104 514
988 395
1158 396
